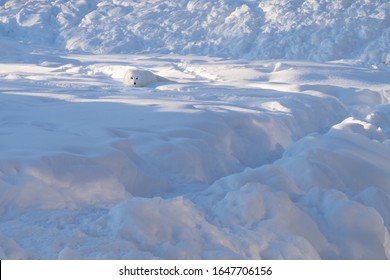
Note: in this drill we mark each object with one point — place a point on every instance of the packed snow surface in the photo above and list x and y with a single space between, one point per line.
231 158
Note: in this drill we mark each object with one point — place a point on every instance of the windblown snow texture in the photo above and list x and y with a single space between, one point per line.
319 30
263 147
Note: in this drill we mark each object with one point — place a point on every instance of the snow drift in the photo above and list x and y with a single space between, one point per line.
237 159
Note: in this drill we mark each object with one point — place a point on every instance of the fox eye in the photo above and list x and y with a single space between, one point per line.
131 78
136 78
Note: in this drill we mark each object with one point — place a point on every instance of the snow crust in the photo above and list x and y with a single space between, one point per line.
233 159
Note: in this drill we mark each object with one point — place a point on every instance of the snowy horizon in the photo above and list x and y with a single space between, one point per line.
319 30
268 138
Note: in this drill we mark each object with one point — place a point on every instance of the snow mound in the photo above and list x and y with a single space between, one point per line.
307 29
172 229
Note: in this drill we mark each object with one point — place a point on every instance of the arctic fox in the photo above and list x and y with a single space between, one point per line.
141 78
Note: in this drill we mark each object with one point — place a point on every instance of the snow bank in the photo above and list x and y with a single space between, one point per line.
307 29
168 228
338 180
237 159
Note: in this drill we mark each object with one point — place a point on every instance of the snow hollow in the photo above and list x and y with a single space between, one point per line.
269 137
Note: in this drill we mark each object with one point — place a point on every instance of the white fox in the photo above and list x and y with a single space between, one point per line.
141 78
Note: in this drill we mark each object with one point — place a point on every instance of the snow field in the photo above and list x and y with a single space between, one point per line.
319 30
234 159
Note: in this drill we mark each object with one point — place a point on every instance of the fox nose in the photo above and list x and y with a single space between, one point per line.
135 83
